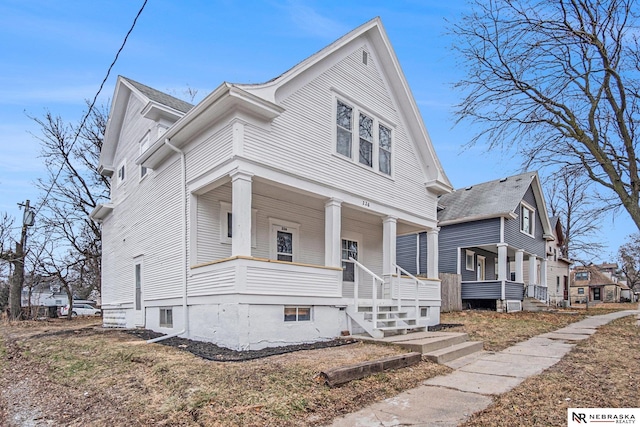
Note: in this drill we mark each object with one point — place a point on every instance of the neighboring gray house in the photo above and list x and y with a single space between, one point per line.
488 233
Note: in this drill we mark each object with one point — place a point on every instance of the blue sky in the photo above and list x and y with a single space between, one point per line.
54 54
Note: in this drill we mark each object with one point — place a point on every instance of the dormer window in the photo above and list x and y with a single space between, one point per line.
374 141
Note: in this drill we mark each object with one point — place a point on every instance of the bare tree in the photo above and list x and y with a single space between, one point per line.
560 79
72 188
570 199
629 259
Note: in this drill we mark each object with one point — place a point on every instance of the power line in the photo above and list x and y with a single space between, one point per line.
93 103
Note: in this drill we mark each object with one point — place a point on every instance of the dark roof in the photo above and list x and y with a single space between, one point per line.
494 198
161 97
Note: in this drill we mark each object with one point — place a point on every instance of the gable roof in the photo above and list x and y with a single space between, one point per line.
371 33
596 278
157 104
493 199
160 97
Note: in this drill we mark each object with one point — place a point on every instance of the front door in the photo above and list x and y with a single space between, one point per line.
349 249
481 264
596 294
566 289
284 246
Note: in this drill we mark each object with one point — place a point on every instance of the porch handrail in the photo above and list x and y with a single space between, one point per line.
417 281
374 293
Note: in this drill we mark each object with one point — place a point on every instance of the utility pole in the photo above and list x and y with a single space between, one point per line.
17 278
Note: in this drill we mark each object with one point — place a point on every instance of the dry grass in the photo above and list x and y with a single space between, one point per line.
501 330
160 385
80 374
601 371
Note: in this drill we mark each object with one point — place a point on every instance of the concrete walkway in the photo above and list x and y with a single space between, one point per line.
450 399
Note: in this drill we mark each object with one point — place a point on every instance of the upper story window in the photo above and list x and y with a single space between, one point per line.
374 144
121 174
582 275
527 219
143 145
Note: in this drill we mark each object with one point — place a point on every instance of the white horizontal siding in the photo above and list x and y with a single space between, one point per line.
279 279
301 140
145 223
208 150
208 230
426 291
212 280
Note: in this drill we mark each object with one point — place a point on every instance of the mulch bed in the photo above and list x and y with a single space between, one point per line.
210 351
443 326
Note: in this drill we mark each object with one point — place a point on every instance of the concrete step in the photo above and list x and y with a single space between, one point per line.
448 354
428 343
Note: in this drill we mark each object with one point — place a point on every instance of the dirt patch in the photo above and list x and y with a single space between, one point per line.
81 374
210 351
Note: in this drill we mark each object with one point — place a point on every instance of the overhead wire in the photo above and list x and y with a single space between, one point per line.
91 106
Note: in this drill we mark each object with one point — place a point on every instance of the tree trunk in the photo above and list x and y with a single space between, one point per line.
15 287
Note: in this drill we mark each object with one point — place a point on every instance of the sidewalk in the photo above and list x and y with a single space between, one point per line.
450 399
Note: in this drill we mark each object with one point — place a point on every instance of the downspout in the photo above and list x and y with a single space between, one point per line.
184 246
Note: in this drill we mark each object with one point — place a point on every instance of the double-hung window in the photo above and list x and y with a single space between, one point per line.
374 141
527 219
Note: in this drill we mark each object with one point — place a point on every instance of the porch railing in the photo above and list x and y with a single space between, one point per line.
417 282
374 288
538 292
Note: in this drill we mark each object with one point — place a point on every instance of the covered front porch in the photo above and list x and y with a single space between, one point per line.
500 272
257 241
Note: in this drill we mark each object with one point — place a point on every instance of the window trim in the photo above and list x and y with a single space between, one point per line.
226 208
532 219
276 225
342 260
297 308
165 323
121 179
378 121
471 254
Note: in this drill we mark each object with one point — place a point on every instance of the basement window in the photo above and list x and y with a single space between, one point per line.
297 314
166 317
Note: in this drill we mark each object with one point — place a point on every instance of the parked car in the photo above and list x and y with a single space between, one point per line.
81 310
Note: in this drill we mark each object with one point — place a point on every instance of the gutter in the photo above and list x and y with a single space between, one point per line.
185 313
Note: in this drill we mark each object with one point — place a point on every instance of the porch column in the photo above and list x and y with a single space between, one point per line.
543 272
520 266
502 261
332 229
432 253
388 245
533 270
241 213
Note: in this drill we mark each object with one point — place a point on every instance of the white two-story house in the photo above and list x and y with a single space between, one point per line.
267 214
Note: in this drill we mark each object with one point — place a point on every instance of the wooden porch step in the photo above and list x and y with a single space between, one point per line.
448 354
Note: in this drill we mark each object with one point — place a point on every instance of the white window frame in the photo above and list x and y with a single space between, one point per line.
163 320
276 225
481 272
356 112
470 266
143 145
121 173
532 219
355 269
297 309
225 210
